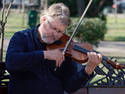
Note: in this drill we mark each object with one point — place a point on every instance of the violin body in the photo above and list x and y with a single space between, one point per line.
75 55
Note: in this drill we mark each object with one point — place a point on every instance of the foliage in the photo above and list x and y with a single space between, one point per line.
91 30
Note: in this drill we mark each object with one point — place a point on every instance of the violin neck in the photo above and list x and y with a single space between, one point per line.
83 50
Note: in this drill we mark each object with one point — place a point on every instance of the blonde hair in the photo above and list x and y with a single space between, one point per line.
59 10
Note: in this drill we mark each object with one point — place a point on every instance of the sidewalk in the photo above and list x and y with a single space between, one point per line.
109 48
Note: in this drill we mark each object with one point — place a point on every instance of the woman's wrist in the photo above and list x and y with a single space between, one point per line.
89 71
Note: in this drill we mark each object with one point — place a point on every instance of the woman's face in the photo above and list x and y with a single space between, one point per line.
51 30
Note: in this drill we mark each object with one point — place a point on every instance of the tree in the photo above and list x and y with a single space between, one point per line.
80 6
96 7
43 4
0 3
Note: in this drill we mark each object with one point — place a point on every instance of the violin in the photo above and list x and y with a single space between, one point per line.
75 49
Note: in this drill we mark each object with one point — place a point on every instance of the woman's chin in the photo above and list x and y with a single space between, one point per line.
48 42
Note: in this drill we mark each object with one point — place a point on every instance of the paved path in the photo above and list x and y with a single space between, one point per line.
112 48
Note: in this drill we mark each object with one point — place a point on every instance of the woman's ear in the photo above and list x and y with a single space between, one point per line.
43 19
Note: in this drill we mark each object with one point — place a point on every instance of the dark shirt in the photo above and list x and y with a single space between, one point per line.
30 73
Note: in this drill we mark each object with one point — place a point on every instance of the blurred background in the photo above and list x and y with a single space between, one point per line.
103 25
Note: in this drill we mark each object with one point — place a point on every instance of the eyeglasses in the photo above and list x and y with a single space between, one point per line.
53 28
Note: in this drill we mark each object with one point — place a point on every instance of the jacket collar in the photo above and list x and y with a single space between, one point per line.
36 37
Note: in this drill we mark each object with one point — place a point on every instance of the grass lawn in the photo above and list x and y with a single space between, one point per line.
16 21
116 28
115 35
116 23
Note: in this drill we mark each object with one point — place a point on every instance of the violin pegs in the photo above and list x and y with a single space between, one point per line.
118 66
115 60
111 58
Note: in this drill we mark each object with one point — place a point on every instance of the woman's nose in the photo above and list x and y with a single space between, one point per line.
58 35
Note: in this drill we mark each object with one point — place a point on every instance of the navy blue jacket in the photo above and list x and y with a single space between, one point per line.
30 73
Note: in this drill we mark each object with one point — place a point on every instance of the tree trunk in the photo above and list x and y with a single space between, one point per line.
44 4
80 6
97 10
100 5
0 3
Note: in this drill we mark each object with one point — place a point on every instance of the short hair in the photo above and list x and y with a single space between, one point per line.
60 11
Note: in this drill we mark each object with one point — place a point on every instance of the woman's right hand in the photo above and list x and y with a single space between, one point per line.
55 55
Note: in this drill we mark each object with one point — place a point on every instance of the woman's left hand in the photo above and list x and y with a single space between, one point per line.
94 60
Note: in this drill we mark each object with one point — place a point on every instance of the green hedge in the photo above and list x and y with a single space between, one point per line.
91 30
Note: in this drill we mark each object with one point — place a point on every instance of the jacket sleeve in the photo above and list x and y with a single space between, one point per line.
18 59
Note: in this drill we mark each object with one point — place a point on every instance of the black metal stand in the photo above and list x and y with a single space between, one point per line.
108 77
